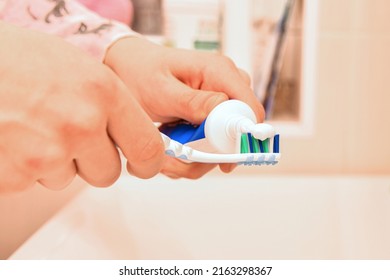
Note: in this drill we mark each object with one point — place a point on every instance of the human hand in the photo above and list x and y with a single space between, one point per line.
62 113
173 84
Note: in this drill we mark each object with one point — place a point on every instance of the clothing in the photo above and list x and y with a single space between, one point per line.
68 19
120 10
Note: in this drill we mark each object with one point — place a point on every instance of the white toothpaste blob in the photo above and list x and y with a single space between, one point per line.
262 131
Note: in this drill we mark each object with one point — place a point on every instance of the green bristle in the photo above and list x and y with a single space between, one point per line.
265 145
255 145
244 144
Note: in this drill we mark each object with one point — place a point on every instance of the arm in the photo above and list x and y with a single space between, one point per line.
63 113
67 19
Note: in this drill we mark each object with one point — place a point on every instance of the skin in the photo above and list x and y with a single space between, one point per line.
172 84
62 113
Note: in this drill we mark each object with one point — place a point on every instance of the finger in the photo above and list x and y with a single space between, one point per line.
236 87
99 165
175 169
227 167
59 178
222 75
136 135
193 105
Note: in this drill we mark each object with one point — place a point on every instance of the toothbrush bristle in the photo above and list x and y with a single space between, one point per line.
255 145
265 144
251 145
261 146
276 143
244 147
250 142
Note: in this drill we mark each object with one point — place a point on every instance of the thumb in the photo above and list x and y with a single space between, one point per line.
195 105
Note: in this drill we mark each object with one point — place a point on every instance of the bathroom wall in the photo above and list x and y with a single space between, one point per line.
351 114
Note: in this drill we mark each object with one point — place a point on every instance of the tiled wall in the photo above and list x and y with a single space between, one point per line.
364 40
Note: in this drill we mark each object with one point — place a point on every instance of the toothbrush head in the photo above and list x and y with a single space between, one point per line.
258 151
183 152
250 144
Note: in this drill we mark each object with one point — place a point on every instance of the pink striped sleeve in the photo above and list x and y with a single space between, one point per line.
68 19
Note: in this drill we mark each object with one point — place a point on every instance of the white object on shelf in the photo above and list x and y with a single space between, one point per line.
183 20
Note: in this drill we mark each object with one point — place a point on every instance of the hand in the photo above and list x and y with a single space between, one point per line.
173 84
63 113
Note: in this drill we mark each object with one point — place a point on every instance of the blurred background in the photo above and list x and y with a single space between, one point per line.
320 67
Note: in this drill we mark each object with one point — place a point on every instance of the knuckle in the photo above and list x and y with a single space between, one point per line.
195 106
102 86
46 158
98 82
218 63
188 103
228 62
224 61
149 159
86 122
153 149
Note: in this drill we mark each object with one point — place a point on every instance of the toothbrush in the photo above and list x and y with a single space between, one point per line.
178 150
228 135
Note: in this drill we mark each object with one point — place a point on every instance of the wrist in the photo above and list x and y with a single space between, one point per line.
128 45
